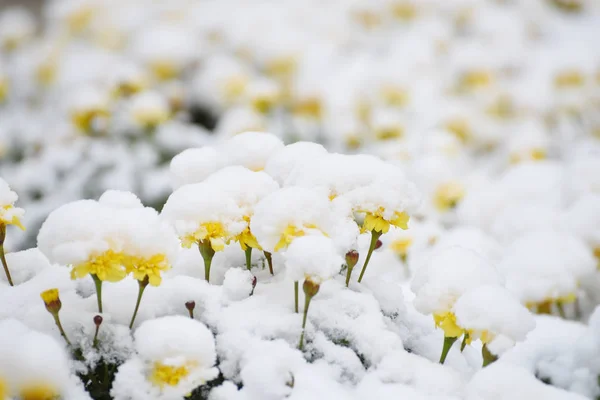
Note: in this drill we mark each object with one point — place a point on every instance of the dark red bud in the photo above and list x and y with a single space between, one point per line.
190 305
254 280
98 320
352 258
310 288
378 245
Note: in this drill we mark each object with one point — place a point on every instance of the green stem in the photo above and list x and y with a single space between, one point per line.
448 342
191 312
61 330
95 342
98 284
141 287
2 255
464 342
488 357
374 238
296 296
207 253
348 274
561 310
306 304
248 253
269 258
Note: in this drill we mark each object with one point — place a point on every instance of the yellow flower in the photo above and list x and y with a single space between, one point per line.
108 266
163 374
476 79
3 88
264 103
234 87
45 72
3 389
151 267
389 132
545 306
79 19
569 79
394 96
14 220
485 336
404 11
212 231
39 391
83 119
447 322
49 296
290 233
460 128
533 155
246 238
281 66
597 255
164 70
448 195
310 108
150 118
374 221
400 246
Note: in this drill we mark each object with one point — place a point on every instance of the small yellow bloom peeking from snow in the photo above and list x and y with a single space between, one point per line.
79 17
151 268
394 96
309 107
212 232
476 79
108 266
3 389
89 111
164 69
292 232
163 374
447 322
46 70
149 110
233 88
51 300
9 215
461 128
401 245
545 306
3 87
535 154
39 391
404 10
376 222
447 195
281 66
569 79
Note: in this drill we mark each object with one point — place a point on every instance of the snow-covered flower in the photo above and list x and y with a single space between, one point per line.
9 214
314 258
493 315
205 215
17 26
89 110
174 356
447 195
290 213
149 109
283 162
25 357
545 268
446 276
195 165
251 149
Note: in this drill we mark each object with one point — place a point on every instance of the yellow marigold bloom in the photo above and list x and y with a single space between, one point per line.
545 306
49 296
476 79
485 336
374 221
460 128
163 374
7 217
533 155
448 195
164 70
151 267
84 118
401 246
389 132
3 389
310 108
246 238
150 118
447 322
39 391
569 79
109 266
3 88
264 103
213 231
290 233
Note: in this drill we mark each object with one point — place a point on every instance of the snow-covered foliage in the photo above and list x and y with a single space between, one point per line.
232 200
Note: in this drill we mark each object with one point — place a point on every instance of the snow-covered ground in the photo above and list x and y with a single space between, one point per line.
421 222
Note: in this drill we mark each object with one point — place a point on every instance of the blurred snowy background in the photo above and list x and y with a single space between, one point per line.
99 94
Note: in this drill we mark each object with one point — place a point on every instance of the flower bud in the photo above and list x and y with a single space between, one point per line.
51 301
254 281
310 288
190 305
378 244
352 258
98 320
